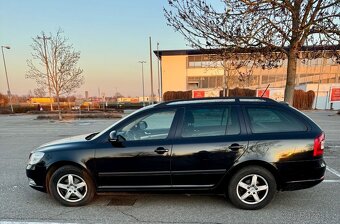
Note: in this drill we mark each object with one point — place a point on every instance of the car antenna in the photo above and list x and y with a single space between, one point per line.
265 90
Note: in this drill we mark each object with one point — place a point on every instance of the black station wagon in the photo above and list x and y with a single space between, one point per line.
247 148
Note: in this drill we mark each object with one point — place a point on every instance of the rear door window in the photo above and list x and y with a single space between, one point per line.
210 121
268 120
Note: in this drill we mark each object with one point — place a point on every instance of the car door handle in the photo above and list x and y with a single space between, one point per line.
235 147
161 150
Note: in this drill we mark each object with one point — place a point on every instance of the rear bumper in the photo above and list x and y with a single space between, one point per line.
301 184
301 174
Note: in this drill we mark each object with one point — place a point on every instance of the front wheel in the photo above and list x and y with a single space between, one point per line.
71 186
252 187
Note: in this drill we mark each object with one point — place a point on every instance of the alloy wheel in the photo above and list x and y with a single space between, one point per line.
71 188
252 189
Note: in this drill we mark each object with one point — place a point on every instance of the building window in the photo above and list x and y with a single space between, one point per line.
331 61
205 82
312 62
193 85
204 61
272 78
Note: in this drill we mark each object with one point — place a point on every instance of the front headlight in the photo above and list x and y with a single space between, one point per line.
35 157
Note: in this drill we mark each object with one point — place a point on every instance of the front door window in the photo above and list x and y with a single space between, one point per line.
153 126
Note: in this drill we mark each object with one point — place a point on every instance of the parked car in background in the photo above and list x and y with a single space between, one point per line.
246 148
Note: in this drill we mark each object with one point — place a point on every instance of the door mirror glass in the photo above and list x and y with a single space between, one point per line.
113 136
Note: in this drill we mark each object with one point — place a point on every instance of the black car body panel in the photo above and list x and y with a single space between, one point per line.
177 163
58 152
132 165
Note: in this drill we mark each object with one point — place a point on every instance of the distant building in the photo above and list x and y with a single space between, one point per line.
135 99
41 100
127 100
184 70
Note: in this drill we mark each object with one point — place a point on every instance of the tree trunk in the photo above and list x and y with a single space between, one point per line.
224 79
291 76
59 111
227 84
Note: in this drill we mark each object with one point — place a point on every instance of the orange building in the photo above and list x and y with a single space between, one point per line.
183 70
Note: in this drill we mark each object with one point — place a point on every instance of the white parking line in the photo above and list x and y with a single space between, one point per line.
330 157
333 171
15 222
331 181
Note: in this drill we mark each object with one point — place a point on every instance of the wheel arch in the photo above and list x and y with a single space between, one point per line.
268 166
55 166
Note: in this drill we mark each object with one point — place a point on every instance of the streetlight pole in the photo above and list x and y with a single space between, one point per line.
8 89
44 38
159 79
151 78
142 62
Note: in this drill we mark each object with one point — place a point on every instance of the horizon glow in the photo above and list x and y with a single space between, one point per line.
112 37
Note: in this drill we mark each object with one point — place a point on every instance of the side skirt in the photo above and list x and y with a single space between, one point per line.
139 188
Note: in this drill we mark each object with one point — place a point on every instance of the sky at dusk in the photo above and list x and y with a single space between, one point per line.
112 36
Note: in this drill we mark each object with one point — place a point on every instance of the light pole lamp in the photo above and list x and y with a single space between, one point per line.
8 88
142 62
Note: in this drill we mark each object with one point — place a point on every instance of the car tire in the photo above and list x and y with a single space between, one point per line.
71 186
252 188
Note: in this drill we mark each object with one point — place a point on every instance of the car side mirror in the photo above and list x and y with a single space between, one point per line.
113 137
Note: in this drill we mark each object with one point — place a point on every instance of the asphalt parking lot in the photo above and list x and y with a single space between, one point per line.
21 204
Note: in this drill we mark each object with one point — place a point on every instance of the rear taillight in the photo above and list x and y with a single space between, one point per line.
319 145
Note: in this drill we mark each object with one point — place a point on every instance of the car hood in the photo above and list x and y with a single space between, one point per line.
65 141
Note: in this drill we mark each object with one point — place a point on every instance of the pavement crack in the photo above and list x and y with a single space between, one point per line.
130 215
165 222
65 212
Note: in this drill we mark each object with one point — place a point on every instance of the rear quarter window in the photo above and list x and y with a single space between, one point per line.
269 120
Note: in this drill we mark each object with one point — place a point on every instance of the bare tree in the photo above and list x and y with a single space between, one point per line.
63 72
278 27
233 63
39 92
238 66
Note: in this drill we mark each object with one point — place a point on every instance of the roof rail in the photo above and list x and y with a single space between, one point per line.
215 99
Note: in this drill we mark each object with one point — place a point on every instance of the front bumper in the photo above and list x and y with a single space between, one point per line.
36 176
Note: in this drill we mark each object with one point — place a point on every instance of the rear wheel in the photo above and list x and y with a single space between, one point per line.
71 186
252 187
